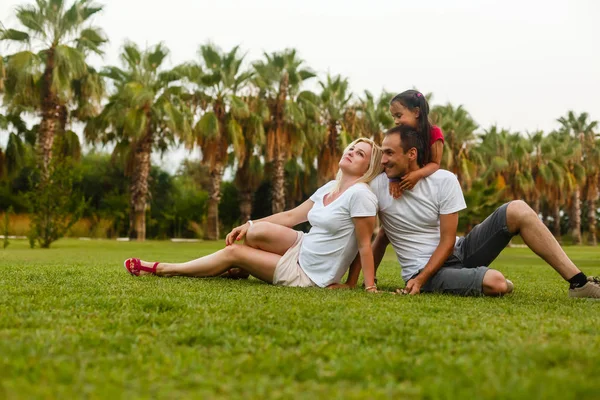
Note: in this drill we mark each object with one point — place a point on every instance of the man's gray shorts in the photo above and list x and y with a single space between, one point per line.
463 272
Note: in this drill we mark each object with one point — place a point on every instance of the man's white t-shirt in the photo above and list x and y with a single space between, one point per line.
330 246
412 222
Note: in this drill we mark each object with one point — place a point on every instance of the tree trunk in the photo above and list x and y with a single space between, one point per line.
245 205
50 118
556 223
278 191
139 187
536 204
576 216
216 176
329 157
280 146
592 222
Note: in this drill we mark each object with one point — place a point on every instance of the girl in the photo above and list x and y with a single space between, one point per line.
410 108
342 215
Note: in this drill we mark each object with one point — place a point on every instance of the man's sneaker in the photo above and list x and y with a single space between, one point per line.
590 290
510 285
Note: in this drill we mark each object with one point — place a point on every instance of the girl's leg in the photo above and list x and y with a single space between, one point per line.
271 237
259 263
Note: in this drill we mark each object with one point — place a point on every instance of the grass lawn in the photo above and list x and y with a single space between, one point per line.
73 324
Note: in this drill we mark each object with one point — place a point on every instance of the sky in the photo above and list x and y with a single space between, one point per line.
519 64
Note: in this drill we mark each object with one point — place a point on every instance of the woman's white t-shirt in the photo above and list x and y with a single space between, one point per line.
330 246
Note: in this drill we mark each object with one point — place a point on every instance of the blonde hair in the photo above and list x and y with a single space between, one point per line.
375 167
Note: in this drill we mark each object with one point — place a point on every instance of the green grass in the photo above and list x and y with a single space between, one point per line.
73 324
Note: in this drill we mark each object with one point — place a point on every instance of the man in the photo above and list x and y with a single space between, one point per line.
421 226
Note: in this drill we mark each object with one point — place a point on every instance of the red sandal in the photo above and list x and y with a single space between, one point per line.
134 266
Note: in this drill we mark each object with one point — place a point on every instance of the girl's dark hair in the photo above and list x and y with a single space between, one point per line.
412 99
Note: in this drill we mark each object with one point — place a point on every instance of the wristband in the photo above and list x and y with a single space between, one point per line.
394 179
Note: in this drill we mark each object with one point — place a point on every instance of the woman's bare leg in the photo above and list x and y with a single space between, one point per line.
258 263
265 236
271 237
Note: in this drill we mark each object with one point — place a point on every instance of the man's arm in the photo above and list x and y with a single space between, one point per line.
448 226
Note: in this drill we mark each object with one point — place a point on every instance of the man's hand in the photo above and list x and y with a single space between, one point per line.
339 286
413 287
410 180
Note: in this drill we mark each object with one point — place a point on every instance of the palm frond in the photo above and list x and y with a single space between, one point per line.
208 126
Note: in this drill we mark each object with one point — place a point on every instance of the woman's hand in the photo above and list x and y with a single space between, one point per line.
237 234
372 289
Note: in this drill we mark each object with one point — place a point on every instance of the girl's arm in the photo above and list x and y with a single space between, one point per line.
410 180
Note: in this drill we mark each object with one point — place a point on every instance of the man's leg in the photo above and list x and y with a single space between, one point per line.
483 244
467 282
475 252
521 219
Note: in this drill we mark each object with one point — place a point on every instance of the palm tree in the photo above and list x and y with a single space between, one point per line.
458 128
279 78
57 40
554 178
249 174
145 111
592 164
217 81
581 128
538 159
18 150
374 115
2 74
341 124
507 157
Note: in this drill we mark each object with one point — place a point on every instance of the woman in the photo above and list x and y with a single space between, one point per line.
342 214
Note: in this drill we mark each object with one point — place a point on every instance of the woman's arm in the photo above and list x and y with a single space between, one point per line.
288 218
291 217
364 227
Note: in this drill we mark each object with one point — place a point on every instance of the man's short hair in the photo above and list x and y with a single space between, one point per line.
410 138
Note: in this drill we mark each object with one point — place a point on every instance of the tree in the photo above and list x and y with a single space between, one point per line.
57 40
293 113
339 118
582 129
216 82
374 115
145 111
507 159
18 149
557 175
458 128
249 174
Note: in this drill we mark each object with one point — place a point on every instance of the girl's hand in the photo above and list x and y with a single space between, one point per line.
410 180
395 190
